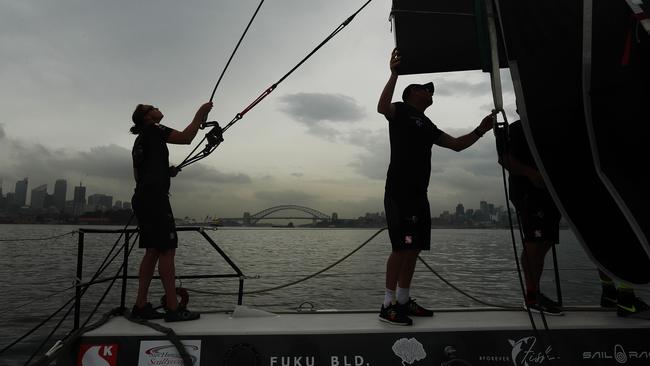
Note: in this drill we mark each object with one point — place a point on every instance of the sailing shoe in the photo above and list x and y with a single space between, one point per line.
637 309
546 308
608 300
181 314
394 314
414 309
147 312
548 302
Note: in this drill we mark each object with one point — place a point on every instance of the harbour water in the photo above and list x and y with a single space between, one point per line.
37 275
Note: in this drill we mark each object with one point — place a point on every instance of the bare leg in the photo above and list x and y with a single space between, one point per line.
532 262
408 268
394 268
147 267
167 272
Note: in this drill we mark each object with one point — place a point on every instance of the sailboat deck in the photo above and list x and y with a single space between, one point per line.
446 320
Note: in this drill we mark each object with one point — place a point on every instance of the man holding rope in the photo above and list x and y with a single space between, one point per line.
152 208
412 135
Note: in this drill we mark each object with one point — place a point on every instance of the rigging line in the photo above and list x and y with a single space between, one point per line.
105 264
235 50
35 328
62 307
101 300
39 239
44 342
110 285
35 300
221 76
82 284
209 149
99 271
494 10
461 291
50 356
297 281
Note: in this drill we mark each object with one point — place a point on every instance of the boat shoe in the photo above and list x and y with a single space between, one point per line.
181 314
414 309
146 313
395 314
637 309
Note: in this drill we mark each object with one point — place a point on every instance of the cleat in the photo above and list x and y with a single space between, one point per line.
146 313
414 309
394 314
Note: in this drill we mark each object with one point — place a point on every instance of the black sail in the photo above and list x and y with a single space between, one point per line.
581 77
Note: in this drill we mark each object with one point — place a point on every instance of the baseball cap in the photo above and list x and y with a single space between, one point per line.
428 86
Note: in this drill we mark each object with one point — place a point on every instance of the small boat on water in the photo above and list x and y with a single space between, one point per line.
582 84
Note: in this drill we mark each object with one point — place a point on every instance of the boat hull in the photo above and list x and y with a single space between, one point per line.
478 337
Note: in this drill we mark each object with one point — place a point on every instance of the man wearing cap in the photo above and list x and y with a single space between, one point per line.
412 136
152 208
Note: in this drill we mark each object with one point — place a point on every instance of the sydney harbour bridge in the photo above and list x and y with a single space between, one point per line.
269 214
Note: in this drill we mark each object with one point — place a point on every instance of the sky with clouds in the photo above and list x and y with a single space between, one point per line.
72 71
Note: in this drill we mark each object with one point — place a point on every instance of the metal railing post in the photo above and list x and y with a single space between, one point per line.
557 277
77 291
125 270
240 296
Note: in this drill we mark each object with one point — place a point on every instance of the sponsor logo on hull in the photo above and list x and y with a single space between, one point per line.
97 355
619 354
164 353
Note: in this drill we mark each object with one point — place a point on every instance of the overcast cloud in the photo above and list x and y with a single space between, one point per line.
73 71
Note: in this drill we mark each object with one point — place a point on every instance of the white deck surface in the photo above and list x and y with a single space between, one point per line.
348 323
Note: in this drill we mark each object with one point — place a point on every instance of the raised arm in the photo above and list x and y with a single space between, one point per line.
385 105
187 135
465 141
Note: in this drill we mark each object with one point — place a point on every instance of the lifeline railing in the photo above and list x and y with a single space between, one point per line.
128 233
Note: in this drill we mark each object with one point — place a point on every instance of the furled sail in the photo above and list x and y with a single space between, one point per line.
441 35
581 73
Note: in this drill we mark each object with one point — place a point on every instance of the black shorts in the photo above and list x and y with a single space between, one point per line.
539 217
409 221
155 220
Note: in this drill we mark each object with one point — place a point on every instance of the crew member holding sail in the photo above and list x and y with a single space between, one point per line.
412 135
538 216
153 210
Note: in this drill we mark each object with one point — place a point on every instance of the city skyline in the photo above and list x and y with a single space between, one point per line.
84 201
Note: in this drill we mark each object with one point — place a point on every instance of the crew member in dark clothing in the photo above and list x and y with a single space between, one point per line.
152 209
412 135
539 218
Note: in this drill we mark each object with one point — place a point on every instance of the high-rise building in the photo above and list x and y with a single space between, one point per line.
484 207
117 205
60 192
10 201
99 202
38 197
79 201
20 199
460 209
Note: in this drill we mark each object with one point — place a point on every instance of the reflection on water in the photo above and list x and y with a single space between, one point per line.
480 262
